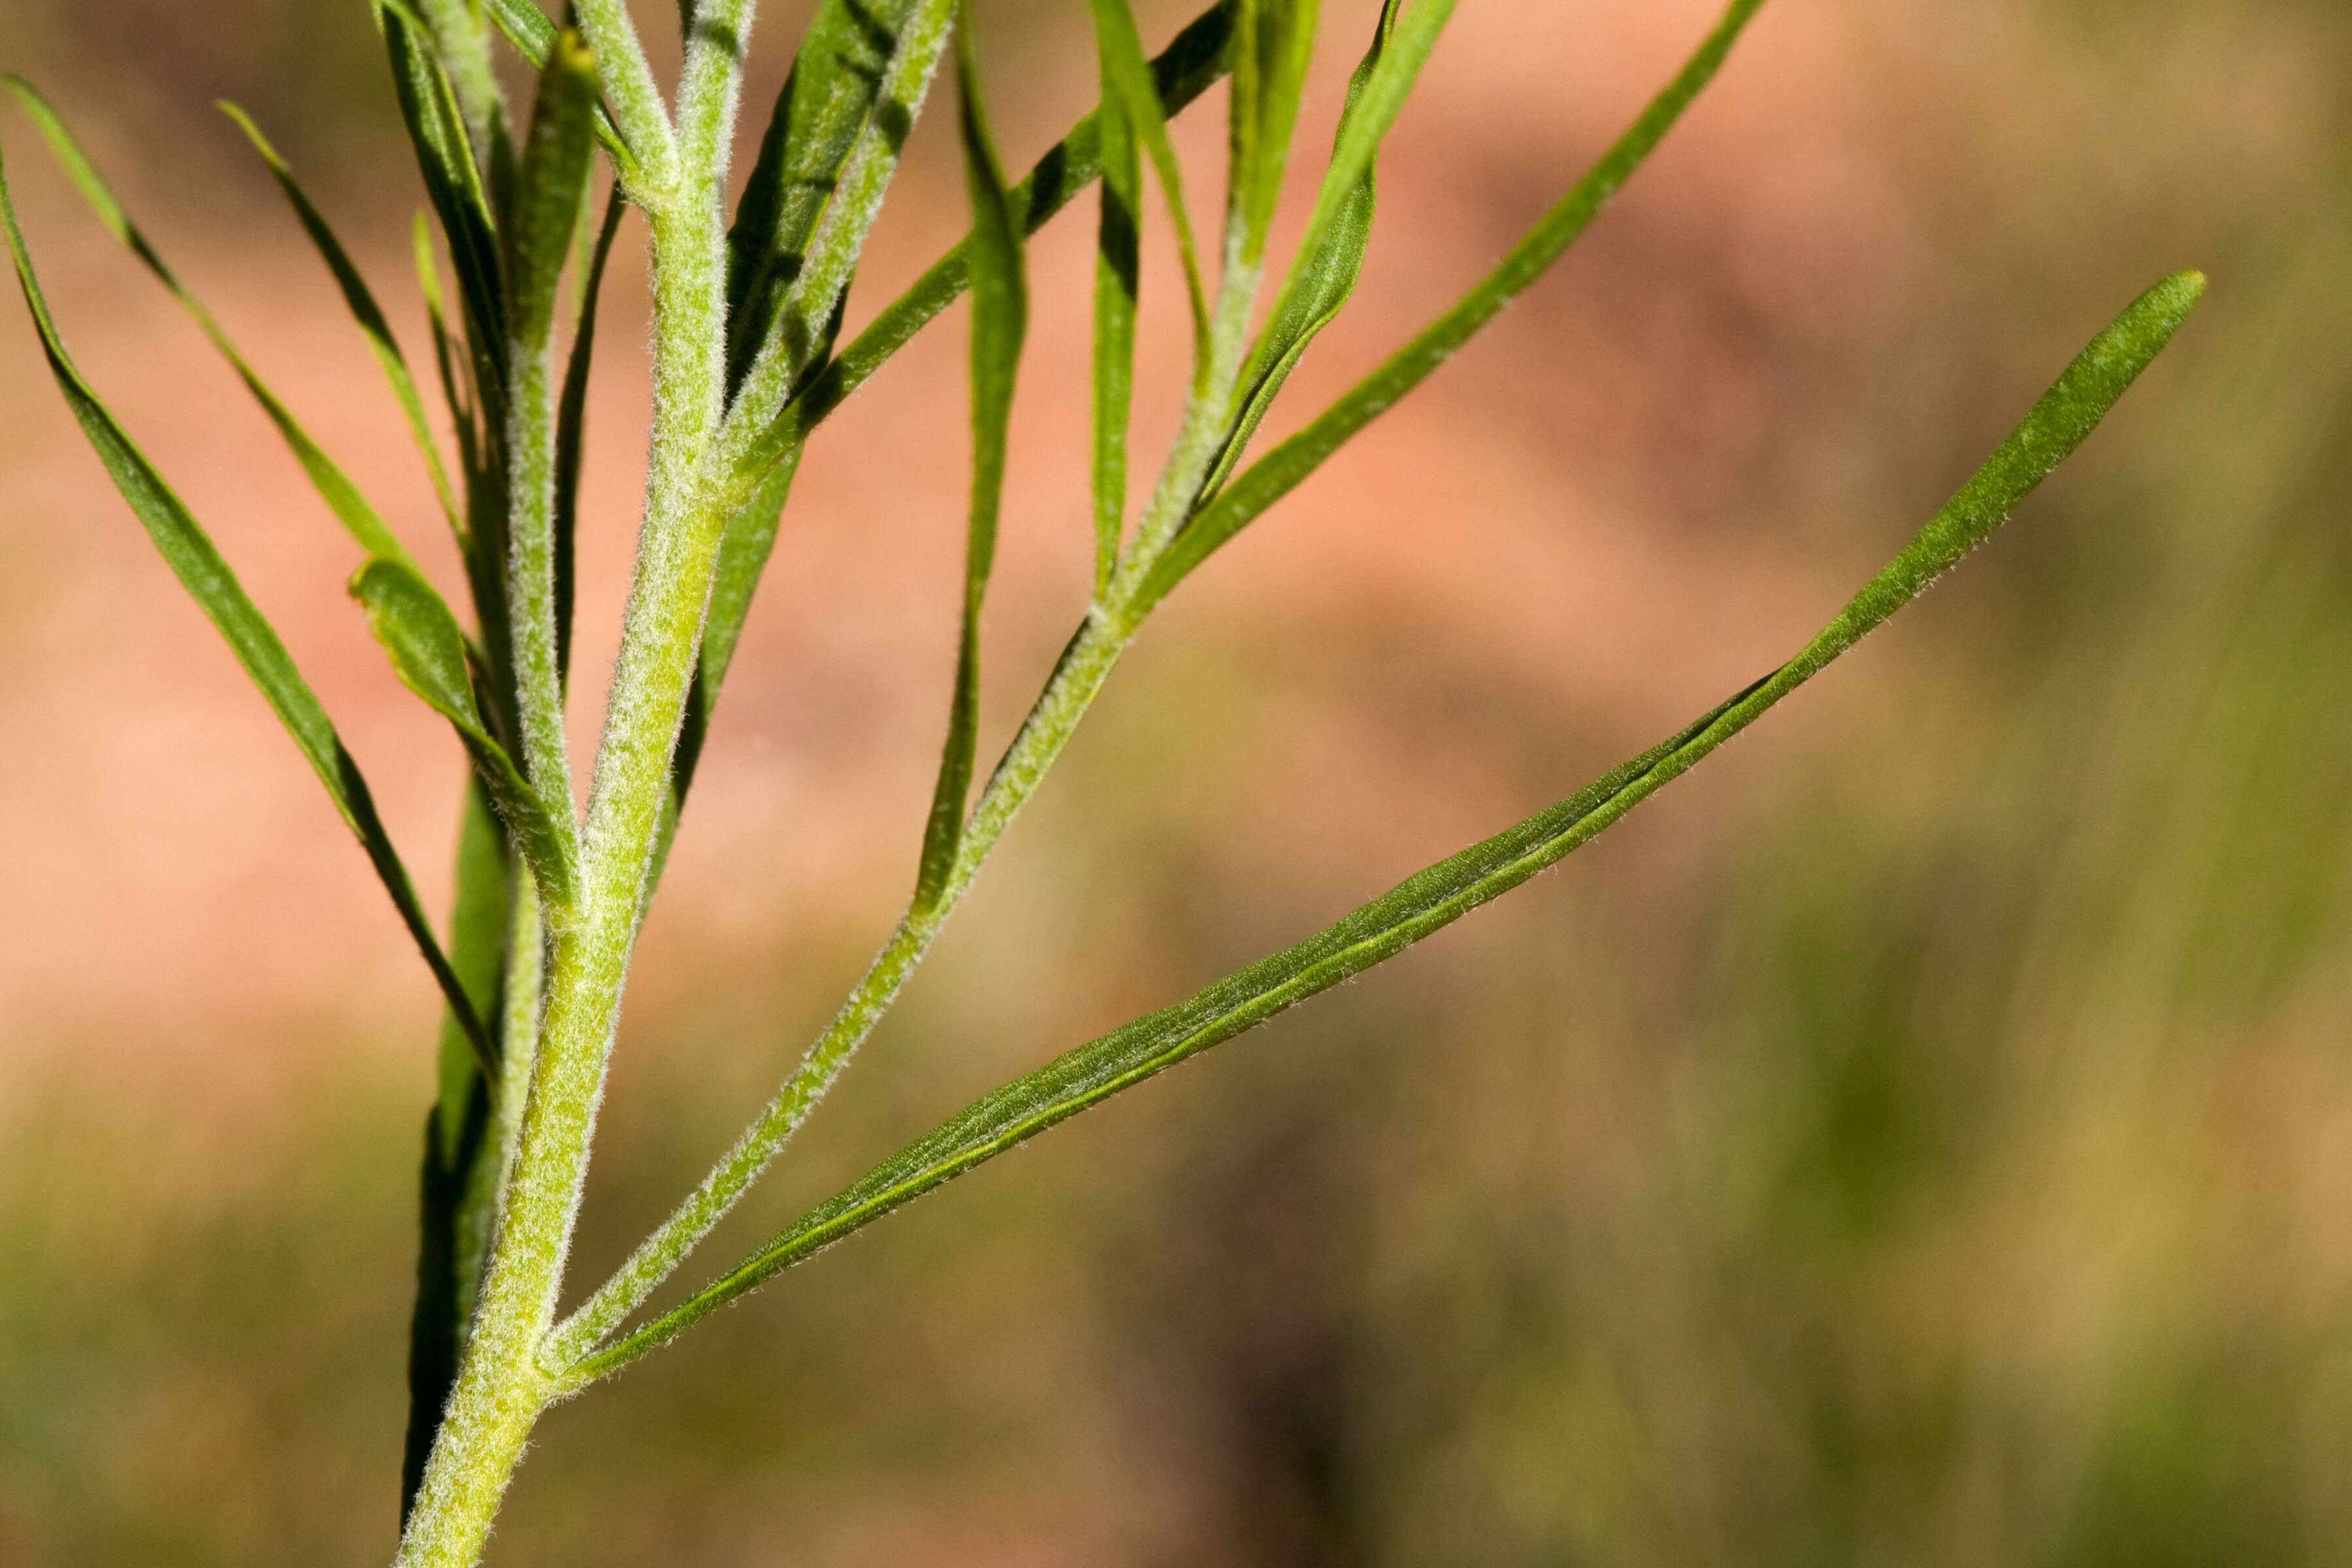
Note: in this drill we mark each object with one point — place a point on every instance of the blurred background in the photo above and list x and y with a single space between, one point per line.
1924 1136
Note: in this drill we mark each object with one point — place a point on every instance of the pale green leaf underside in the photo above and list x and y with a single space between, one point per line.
1442 894
427 650
551 185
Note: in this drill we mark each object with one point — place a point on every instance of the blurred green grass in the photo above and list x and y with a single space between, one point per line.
1928 1143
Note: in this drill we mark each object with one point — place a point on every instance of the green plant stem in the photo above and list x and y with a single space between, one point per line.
1142 580
1207 413
712 85
530 575
501 1387
525 992
2057 424
1085 664
834 249
635 101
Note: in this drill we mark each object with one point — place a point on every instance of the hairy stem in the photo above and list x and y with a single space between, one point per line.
713 82
501 1387
1085 664
629 88
530 573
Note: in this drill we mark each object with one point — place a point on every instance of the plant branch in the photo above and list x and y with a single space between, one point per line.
823 278
500 1388
1085 664
1435 898
712 86
629 88
1280 471
1079 676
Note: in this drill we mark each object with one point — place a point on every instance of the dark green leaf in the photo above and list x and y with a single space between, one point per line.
1127 76
1116 270
571 428
1186 69
1000 318
190 553
478 935
352 509
831 147
1331 253
455 1141
362 305
1275 40
465 423
437 1323
553 182
1435 898
453 185
824 104
428 654
1280 471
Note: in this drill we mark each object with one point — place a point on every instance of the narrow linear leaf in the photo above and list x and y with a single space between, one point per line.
805 317
1192 64
454 1138
465 424
818 117
428 653
1275 41
551 185
453 185
437 1323
472 384
1000 318
477 930
751 537
1117 266
571 429
526 26
193 560
351 509
361 302
1435 898
1331 253
1282 470
461 44
1126 76
1402 45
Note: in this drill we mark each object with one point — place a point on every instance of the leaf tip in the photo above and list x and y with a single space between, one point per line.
2164 307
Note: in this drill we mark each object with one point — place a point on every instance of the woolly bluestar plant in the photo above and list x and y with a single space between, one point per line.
748 319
